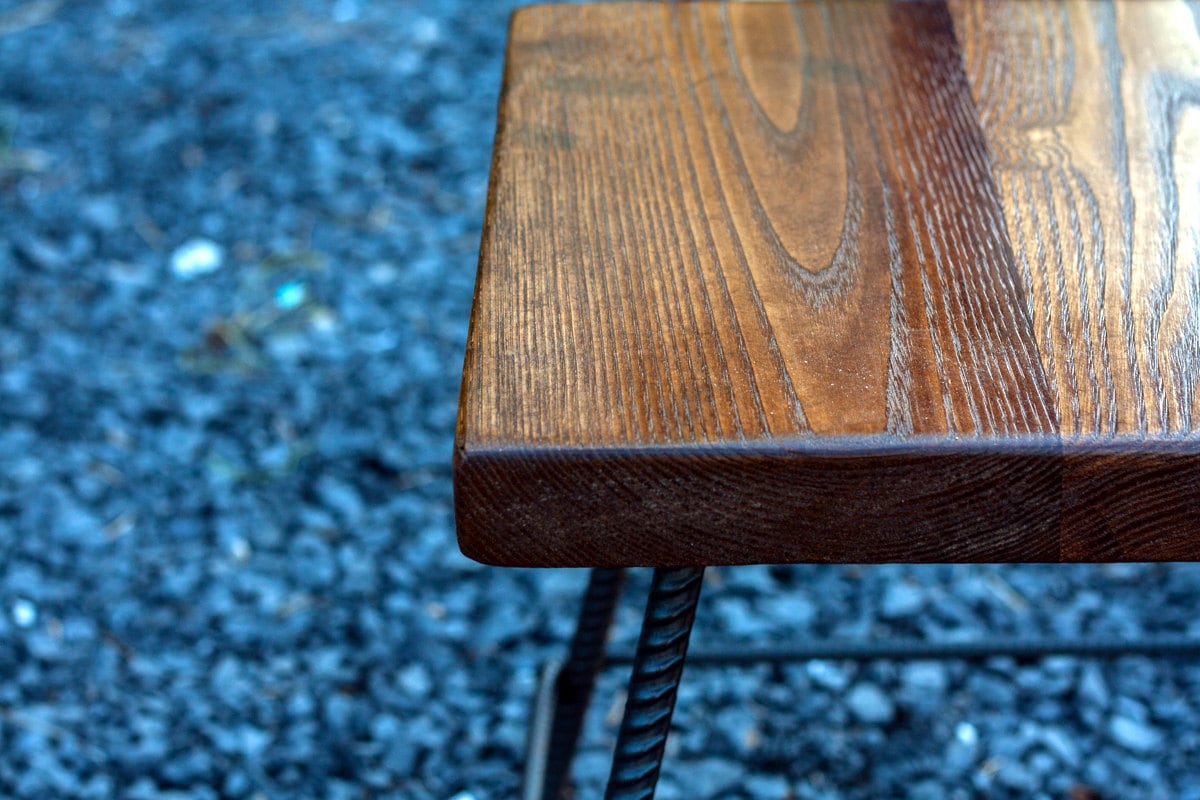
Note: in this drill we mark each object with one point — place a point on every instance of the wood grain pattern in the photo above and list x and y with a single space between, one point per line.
811 281
1097 157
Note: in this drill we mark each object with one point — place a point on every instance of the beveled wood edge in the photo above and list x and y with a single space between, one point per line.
844 500
866 445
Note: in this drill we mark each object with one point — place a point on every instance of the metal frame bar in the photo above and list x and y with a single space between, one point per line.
1168 646
658 666
565 690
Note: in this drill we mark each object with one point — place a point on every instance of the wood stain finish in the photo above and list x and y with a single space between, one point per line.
766 282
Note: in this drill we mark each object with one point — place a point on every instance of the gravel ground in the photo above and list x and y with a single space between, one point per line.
237 244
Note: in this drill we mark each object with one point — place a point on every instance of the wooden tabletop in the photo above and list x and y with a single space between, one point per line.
839 281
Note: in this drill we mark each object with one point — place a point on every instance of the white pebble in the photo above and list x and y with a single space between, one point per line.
239 549
24 613
197 257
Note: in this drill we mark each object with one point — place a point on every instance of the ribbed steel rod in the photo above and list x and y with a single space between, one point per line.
918 650
657 667
578 676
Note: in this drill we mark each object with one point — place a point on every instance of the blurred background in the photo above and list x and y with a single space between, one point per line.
237 245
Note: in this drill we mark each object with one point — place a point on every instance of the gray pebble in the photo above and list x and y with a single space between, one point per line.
828 675
1139 737
738 726
870 704
341 497
1061 744
710 777
928 679
1093 689
902 599
101 212
740 618
1016 776
767 787
416 681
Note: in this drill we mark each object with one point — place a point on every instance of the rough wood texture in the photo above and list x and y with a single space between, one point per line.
1097 158
839 282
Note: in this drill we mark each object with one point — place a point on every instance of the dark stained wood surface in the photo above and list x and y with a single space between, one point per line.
823 281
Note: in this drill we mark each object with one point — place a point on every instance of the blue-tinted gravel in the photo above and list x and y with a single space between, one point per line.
227 565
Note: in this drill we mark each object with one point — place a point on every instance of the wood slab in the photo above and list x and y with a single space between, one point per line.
838 282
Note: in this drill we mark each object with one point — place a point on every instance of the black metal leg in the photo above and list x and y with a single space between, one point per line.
657 668
568 689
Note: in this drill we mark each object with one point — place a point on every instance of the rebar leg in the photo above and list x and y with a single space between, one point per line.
657 668
573 688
